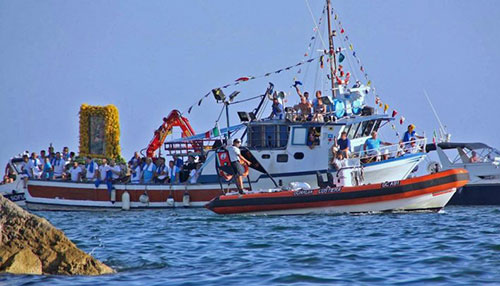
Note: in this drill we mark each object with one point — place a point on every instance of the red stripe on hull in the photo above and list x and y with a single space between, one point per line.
100 195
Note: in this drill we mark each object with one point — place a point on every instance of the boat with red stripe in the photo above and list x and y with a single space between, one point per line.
425 193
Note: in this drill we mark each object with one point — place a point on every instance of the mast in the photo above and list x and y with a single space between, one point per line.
331 52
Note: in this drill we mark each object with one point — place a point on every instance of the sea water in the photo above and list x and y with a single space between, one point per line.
196 247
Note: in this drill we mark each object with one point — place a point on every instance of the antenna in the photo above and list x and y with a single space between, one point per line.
442 129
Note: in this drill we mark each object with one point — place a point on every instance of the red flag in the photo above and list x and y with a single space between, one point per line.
342 31
243 78
401 120
394 113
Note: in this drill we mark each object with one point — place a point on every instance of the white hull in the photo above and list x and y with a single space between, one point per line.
429 202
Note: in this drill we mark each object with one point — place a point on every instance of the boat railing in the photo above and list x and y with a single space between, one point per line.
390 151
193 147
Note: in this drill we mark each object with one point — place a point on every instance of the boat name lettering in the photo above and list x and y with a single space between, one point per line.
329 190
303 192
391 184
16 197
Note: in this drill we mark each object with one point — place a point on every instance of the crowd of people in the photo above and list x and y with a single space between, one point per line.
139 170
314 110
372 147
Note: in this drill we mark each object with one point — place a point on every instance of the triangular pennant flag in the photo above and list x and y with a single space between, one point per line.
401 120
351 47
342 31
394 113
310 60
226 86
341 57
189 110
362 68
267 74
278 71
299 71
199 102
321 64
380 104
207 134
206 95
386 107
369 83
336 16
377 100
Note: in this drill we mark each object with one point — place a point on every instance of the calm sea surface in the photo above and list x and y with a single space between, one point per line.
196 247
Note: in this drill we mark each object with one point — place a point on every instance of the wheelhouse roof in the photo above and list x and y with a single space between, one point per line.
454 145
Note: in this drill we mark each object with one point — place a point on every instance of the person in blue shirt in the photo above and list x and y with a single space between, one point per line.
409 134
372 146
148 171
344 144
277 109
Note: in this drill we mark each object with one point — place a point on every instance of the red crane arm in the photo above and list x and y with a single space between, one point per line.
173 119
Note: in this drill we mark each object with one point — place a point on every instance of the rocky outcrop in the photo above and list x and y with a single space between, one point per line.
31 245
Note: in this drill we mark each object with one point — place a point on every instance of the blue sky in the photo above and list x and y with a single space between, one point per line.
148 57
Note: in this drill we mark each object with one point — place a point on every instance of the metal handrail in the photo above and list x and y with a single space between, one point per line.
393 150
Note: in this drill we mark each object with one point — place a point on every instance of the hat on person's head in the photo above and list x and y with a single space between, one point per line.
236 141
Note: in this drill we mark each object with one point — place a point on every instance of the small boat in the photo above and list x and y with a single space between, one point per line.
483 164
14 190
426 193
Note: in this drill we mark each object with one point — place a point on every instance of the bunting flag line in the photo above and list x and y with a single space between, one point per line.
249 78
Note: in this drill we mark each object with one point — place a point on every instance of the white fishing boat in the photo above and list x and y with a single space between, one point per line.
282 151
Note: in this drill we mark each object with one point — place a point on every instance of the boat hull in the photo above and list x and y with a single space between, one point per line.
477 194
430 192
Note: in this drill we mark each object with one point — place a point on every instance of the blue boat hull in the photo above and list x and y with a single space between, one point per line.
477 194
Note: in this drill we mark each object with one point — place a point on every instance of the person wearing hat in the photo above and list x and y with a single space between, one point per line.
409 134
235 158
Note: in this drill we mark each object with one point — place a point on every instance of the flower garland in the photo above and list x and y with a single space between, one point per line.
111 132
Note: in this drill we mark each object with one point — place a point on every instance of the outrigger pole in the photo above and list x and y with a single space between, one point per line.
331 52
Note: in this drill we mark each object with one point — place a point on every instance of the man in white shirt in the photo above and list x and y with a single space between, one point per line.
161 172
194 174
115 170
235 158
173 172
59 165
91 168
135 172
103 169
34 166
75 172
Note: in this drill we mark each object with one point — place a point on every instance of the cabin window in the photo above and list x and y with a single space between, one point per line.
377 125
282 158
352 131
299 136
270 136
367 128
283 132
267 136
265 156
298 156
